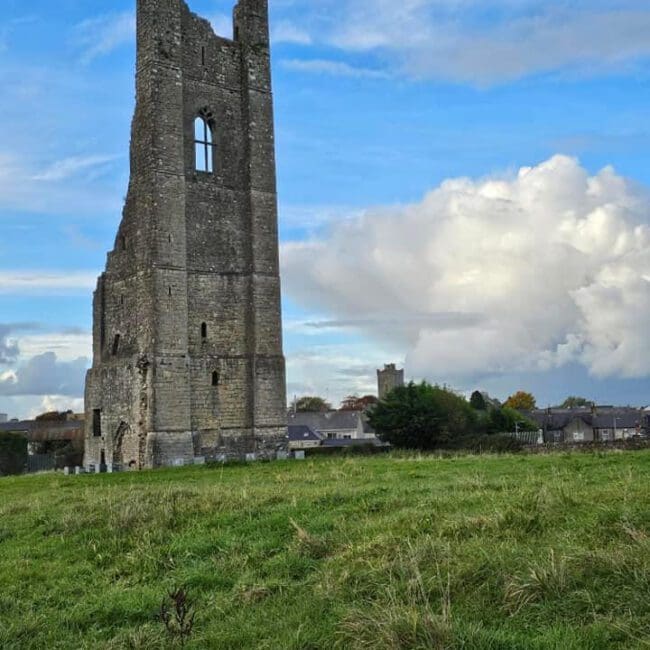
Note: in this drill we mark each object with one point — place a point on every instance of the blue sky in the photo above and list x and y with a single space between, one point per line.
378 105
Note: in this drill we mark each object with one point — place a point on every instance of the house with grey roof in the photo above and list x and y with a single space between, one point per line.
302 437
591 424
335 425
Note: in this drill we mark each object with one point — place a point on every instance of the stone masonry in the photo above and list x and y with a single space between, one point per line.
187 357
389 379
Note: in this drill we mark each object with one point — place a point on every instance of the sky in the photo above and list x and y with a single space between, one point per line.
464 188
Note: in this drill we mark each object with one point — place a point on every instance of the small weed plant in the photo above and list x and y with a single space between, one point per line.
177 615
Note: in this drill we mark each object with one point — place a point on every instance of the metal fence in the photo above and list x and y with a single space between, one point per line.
41 463
527 437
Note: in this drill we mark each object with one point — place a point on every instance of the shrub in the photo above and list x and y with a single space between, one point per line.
506 419
365 449
421 416
13 453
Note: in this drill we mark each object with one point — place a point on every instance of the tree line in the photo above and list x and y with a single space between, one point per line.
426 417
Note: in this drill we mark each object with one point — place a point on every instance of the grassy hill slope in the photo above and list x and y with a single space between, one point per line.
382 553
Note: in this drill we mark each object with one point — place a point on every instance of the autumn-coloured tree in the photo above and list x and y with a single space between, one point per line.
521 401
354 403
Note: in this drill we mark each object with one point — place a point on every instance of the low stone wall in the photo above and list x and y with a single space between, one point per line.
633 444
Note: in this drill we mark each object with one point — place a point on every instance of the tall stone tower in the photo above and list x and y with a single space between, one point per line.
389 379
187 356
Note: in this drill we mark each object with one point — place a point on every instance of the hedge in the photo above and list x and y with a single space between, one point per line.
13 453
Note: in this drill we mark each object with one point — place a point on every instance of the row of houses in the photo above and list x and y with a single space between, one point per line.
591 424
58 442
585 424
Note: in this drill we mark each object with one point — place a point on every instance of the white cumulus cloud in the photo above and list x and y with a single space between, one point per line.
525 272
46 375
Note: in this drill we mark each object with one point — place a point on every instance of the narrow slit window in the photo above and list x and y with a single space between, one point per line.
215 378
204 330
97 423
203 55
203 145
116 345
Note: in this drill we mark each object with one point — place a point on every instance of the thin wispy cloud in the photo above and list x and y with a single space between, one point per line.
46 282
7 30
102 35
333 68
286 31
481 43
68 345
68 167
334 371
72 186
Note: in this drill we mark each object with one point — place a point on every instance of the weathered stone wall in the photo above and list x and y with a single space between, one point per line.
192 286
633 444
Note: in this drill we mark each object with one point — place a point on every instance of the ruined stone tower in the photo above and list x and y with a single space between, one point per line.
389 379
187 357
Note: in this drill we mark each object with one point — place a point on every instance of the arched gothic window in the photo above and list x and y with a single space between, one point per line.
203 145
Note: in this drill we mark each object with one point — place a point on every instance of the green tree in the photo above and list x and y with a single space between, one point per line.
312 404
477 401
574 402
507 420
521 401
421 416
13 453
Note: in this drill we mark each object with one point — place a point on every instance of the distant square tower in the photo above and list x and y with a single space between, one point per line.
389 379
187 357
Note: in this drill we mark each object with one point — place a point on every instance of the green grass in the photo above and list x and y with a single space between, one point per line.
498 553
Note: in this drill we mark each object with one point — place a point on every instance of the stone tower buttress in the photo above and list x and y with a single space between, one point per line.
187 322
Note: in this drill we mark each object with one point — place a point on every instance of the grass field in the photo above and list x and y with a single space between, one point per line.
393 552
